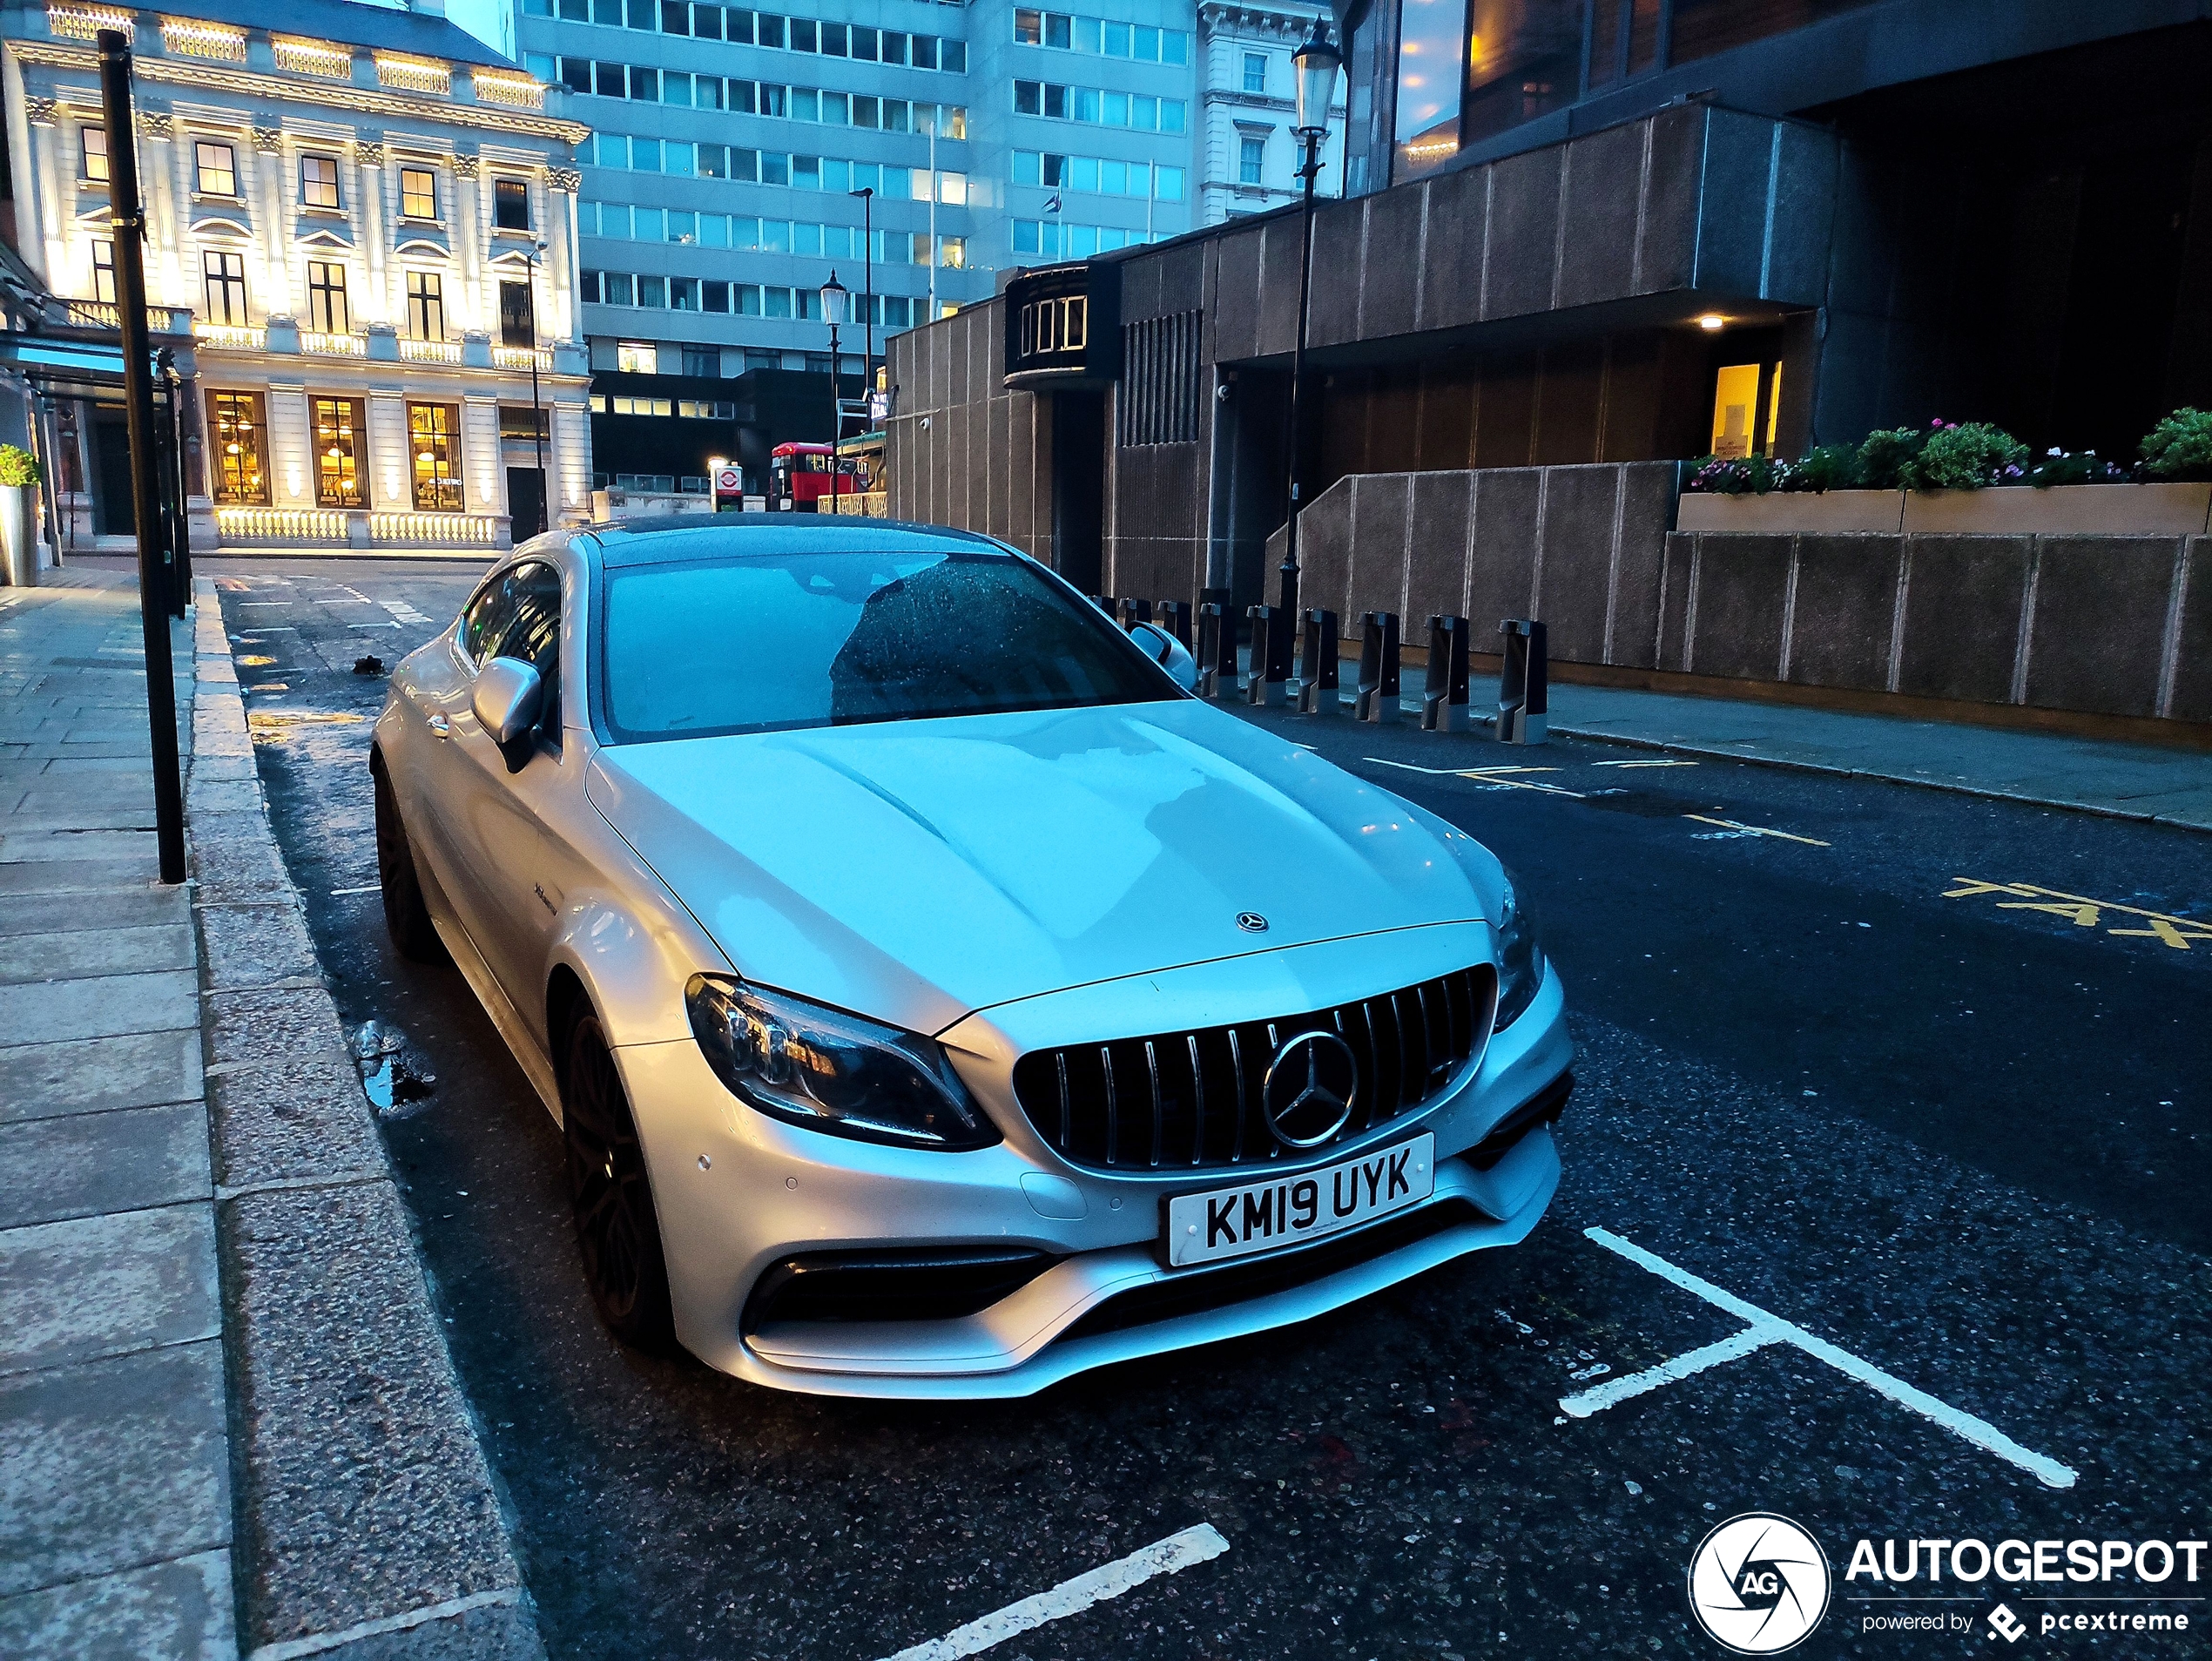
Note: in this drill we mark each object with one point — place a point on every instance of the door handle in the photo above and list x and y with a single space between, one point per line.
440 726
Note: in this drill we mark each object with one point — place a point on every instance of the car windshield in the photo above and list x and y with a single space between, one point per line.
769 642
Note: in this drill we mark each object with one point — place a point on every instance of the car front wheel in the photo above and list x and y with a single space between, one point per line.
617 1231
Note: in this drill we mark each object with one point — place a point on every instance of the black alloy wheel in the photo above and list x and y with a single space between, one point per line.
617 1231
407 918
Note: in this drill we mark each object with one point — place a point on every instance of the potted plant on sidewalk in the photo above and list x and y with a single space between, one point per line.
18 553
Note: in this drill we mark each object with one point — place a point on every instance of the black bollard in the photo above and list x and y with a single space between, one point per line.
1444 699
1318 679
1378 690
1524 694
1267 677
1174 616
1133 613
1217 651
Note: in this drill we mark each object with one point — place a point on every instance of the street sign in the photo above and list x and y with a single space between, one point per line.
728 481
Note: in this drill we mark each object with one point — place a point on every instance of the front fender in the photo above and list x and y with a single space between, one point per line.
633 961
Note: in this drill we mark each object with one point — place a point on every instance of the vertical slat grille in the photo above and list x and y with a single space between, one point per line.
1193 1099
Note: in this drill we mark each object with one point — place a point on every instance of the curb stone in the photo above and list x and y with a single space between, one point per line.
369 1526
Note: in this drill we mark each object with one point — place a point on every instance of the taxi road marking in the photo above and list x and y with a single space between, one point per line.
1758 830
1168 1557
2085 913
1764 1328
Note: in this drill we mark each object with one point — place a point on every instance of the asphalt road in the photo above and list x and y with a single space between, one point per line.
1956 1130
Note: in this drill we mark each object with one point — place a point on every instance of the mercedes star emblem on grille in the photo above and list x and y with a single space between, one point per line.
1307 1095
1251 923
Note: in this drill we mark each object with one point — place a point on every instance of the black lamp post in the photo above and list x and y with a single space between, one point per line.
867 193
538 408
834 294
1316 62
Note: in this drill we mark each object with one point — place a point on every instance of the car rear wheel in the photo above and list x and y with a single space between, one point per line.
406 917
616 1231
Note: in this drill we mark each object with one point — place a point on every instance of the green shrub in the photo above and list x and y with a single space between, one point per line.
1734 476
18 465
2073 467
2180 447
1883 457
1964 455
1826 466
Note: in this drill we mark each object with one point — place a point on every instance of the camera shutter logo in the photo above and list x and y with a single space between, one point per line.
1758 1583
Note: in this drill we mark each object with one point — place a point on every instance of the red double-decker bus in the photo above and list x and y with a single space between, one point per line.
799 475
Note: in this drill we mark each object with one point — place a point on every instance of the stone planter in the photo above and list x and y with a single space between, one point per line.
2063 510
18 553
2008 510
1784 512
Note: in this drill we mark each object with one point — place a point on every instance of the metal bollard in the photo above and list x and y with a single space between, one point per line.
1444 699
1106 603
1377 692
1132 612
1267 675
1174 616
1217 651
1524 696
1318 677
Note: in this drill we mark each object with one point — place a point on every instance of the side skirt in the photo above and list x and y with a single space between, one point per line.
536 1066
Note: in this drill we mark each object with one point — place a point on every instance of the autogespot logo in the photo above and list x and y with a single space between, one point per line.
1758 1583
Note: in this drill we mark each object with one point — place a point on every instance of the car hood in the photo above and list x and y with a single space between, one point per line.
916 871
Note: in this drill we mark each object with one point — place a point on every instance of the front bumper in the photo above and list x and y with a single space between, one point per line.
738 1193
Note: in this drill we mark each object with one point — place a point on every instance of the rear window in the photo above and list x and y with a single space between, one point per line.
771 643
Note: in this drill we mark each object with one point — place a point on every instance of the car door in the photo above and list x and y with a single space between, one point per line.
506 796
433 776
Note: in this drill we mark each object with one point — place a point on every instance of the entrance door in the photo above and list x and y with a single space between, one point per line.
526 502
113 514
1079 487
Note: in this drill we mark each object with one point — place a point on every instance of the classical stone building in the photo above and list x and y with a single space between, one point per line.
1248 154
362 257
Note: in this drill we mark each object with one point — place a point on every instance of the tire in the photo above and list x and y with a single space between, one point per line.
618 1233
407 918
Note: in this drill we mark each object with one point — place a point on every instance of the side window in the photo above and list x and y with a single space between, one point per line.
534 635
486 618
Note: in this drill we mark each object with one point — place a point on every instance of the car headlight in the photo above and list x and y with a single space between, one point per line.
1521 959
800 1063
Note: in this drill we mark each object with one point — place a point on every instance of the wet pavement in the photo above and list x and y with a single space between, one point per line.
1924 1075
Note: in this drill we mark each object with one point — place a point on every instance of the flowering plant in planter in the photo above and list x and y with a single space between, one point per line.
18 465
1963 456
2180 447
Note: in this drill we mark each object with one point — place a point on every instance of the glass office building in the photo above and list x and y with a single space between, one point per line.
739 157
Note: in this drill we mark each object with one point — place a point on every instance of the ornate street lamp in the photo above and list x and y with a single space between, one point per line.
834 294
1318 64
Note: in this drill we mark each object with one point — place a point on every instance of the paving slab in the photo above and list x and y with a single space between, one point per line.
93 1075
86 953
283 1124
113 1466
100 1006
97 1287
143 907
178 1610
254 945
130 1160
72 876
283 1027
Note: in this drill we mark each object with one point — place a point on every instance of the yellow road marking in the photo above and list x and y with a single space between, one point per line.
1644 763
1758 830
2085 913
301 718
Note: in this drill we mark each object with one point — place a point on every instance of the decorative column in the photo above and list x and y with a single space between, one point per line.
483 481
562 319
168 283
391 462
291 438
478 310
274 240
373 240
44 117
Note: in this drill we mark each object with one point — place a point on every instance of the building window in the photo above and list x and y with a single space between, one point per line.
517 315
1256 72
637 357
216 166
433 436
510 204
236 417
418 193
426 305
225 284
340 447
703 360
1251 161
103 272
319 181
95 155
327 309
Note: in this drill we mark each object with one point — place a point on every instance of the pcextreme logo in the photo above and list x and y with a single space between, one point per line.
1758 1583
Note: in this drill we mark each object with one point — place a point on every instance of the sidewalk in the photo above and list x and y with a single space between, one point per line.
227 1418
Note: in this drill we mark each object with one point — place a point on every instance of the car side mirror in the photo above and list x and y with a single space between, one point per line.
1168 652
508 700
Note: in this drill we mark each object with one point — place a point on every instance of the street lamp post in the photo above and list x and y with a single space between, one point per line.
867 193
834 294
1316 62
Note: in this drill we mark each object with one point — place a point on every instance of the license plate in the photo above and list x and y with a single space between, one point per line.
1224 1223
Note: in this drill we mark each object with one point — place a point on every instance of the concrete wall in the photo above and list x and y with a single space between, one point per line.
2111 625
962 449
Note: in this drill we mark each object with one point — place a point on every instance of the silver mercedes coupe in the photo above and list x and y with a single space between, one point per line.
937 999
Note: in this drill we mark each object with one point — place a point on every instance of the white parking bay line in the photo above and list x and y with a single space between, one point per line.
1482 775
1168 1557
1766 1328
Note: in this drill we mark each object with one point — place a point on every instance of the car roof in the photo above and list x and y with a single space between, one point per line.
682 539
